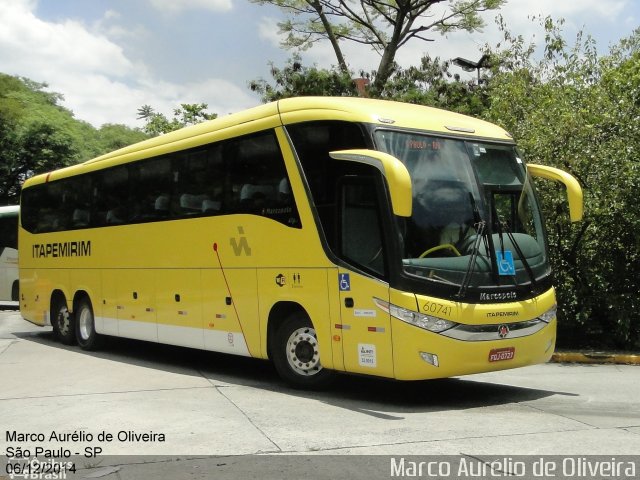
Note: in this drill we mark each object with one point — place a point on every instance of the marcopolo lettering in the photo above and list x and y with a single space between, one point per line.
499 296
81 248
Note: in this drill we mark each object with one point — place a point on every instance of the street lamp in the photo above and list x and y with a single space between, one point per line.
470 66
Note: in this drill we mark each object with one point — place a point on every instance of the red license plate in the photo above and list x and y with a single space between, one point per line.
500 354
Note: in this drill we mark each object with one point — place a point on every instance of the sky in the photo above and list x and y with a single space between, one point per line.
110 57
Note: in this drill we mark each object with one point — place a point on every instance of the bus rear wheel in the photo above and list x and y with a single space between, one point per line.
86 334
296 356
62 321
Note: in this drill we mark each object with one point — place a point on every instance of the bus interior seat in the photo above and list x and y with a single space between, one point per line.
254 196
211 206
114 216
161 206
80 218
192 204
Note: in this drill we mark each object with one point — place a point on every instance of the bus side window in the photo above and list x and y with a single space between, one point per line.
312 142
259 179
151 198
111 192
199 182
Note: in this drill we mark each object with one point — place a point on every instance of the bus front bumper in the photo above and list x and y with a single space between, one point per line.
421 355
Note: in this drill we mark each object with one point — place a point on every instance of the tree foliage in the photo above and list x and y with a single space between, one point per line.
432 83
39 135
297 80
578 111
187 114
382 25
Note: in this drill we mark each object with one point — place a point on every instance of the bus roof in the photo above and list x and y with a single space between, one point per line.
385 112
289 111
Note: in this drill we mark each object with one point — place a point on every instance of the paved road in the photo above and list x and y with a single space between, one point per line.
164 402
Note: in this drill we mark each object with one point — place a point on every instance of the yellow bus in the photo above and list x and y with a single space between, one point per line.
9 254
324 234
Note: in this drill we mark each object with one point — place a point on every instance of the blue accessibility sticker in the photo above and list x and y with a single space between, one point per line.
505 263
344 282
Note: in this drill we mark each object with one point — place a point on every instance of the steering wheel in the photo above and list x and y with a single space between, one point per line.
444 246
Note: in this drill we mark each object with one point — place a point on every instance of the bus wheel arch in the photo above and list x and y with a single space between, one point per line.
62 319
85 327
15 291
293 347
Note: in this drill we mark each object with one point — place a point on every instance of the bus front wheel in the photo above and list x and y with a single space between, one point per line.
86 334
296 355
62 321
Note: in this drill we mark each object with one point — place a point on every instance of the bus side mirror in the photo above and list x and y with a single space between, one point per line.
393 170
574 190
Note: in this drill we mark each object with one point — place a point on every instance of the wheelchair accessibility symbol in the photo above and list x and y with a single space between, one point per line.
505 263
344 282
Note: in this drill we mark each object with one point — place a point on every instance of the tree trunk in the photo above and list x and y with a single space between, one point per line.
331 35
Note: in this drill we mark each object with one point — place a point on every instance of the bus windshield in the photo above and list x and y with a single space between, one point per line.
475 219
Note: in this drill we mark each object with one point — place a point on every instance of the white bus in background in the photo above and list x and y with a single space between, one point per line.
9 254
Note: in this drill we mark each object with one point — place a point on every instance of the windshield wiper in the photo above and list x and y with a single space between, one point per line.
502 224
480 226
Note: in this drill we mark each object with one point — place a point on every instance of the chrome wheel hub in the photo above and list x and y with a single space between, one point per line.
302 352
85 324
62 319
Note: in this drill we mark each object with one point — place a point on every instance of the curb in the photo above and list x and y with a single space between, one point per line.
596 358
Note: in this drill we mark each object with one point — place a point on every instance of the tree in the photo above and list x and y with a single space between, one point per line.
297 80
577 111
112 136
24 152
430 83
37 134
187 114
382 25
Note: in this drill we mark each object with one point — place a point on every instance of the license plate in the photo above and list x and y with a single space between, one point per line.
501 354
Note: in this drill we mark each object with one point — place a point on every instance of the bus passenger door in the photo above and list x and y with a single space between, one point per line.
365 329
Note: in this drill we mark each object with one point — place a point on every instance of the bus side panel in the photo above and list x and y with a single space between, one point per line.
37 286
244 295
179 309
222 331
86 280
31 307
306 287
106 307
366 334
136 304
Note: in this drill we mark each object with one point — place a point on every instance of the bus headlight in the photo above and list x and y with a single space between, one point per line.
549 315
426 322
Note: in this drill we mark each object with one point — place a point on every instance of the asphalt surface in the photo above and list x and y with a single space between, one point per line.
158 411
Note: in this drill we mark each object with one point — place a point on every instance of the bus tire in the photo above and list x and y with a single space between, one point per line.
296 356
62 321
86 334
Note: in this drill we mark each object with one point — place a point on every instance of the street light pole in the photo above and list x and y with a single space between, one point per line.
470 66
